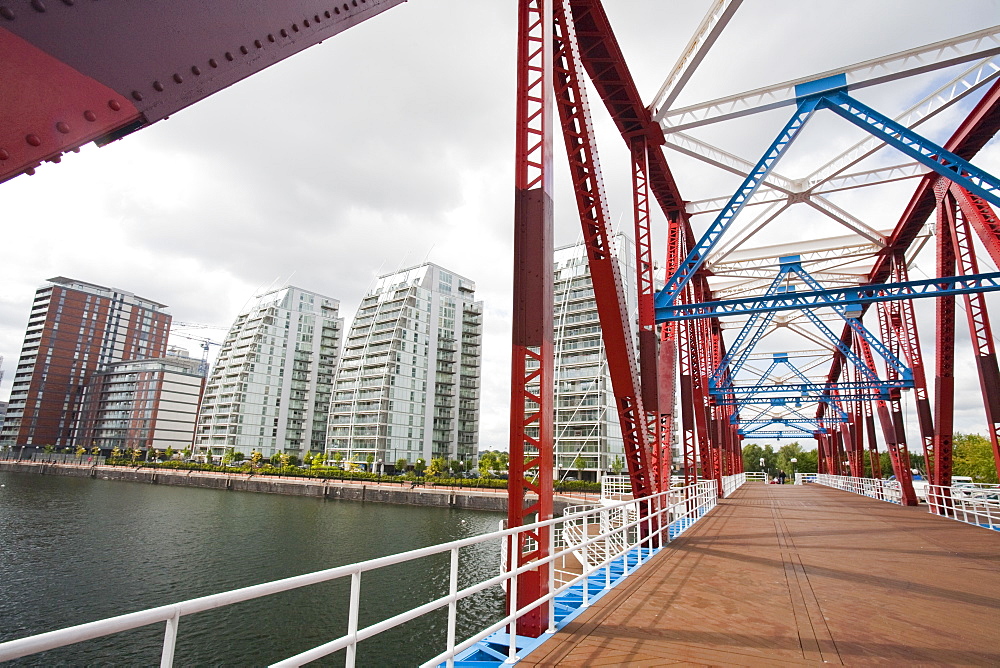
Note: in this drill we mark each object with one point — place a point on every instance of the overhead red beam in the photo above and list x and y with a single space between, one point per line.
75 72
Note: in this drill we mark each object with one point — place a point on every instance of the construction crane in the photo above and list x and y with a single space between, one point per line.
206 343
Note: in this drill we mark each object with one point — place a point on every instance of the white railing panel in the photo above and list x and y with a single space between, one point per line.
599 535
875 488
971 503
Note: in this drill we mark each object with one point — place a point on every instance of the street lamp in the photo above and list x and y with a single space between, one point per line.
793 460
762 468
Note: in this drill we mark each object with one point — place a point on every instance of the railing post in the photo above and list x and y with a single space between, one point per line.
586 559
170 641
352 619
452 607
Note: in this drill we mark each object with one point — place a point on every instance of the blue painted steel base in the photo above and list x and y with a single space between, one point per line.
494 649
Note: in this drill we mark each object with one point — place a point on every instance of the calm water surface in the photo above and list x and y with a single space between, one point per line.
77 550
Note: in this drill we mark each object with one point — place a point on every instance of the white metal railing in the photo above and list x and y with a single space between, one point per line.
661 517
616 487
802 478
876 488
967 502
731 482
756 476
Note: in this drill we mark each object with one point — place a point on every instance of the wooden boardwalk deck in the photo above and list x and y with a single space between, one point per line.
788 575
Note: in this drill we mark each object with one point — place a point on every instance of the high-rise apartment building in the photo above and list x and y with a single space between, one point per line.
74 329
588 438
408 383
270 388
142 404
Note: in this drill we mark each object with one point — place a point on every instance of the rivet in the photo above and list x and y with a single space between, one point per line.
30 171
212 62
346 8
258 43
75 149
354 3
270 38
157 86
114 105
33 140
62 127
4 154
305 22
56 159
229 56
336 10
316 18
326 14
244 50
295 27
178 78
7 13
195 70
69 3
284 33
38 5
90 116
137 96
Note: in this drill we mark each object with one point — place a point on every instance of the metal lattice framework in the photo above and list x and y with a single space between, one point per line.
740 343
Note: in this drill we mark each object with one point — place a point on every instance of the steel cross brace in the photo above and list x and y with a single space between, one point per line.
833 297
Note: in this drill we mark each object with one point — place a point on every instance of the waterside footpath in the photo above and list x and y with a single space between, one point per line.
402 493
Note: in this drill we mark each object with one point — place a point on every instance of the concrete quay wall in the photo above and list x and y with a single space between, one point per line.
443 497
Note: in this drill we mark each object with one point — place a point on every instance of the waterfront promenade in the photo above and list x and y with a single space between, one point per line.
401 493
790 575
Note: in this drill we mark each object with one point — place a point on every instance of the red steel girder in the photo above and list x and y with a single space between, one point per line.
980 330
892 432
529 487
574 113
75 72
944 367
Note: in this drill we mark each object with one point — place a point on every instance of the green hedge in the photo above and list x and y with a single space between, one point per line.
339 474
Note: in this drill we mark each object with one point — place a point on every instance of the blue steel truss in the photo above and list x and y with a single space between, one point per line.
829 93
833 297
753 181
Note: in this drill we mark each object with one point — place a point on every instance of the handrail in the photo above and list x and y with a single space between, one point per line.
650 528
971 503
876 488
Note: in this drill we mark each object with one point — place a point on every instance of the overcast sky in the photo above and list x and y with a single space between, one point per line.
392 144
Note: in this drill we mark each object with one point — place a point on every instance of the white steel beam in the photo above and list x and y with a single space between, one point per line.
823 205
972 46
697 48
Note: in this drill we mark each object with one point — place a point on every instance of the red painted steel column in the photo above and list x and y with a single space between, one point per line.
574 114
648 340
529 486
980 329
944 367
895 446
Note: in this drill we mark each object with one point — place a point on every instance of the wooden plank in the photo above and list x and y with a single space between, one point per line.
800 575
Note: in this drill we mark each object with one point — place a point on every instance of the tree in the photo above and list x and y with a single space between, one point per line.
617 465
753 453
487 463
419 466
579 463
338 457
401 464
275 459
308 459
438 466
229 455
116 452
972 455
238 456
81 451
457 466
256 458
169 453
283 459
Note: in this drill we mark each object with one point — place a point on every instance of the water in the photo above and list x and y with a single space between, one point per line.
77 550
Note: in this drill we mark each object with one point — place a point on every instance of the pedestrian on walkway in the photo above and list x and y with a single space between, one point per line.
781 477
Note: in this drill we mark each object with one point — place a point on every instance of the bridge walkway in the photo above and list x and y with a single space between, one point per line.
800 575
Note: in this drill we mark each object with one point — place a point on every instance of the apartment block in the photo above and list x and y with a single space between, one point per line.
408 386
269 390
588 439
75 328
145 404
